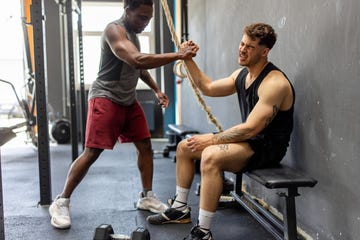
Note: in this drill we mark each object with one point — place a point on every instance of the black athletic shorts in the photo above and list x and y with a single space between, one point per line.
268 151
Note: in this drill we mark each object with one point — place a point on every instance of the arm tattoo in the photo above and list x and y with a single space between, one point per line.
231 135
275 111
223 147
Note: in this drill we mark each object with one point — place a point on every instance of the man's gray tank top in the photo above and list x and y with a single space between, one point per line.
116 79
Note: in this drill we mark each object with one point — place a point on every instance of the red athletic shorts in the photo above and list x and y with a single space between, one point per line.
108 121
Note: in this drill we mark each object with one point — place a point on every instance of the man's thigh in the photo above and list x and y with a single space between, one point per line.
231 157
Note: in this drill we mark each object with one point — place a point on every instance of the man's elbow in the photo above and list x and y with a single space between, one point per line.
136 63
249 132
253 131
206 92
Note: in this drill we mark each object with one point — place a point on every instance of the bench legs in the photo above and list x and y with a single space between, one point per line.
290 228
286 230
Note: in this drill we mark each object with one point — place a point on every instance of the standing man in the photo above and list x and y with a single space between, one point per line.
113 111
266 99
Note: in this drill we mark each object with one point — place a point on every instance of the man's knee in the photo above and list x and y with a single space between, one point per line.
209 160
144 146
92 153
181 147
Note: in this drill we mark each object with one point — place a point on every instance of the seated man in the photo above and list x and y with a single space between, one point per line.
266 99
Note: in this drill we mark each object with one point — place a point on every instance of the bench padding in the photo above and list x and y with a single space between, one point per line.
281 177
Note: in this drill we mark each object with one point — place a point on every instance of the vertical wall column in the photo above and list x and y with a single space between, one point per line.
165 75
71 78
38 21
66 9
82 80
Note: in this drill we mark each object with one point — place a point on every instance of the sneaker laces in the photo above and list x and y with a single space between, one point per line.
63 210
63 207
182 204
207 232
198 232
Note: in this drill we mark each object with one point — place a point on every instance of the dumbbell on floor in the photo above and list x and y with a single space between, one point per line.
106 232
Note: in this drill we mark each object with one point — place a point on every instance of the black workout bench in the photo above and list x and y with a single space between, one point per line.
176 133
281 177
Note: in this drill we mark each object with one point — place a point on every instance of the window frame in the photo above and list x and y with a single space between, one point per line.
97 33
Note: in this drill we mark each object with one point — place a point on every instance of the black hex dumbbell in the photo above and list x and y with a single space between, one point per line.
106 232
140 234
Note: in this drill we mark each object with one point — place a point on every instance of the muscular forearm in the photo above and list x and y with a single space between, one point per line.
199 78
146 78
148 61
233 135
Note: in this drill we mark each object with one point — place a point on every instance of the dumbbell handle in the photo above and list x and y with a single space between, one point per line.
120 237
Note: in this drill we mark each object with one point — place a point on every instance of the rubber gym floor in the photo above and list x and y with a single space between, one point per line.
106 196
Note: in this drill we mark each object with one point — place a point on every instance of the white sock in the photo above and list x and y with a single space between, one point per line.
181 198
205 218
146 191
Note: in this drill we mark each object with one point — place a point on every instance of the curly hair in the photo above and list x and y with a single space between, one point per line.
262 31
133 4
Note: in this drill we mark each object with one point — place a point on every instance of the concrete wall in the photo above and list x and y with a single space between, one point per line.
319 49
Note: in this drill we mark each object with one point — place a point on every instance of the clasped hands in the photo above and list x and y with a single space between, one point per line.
188 49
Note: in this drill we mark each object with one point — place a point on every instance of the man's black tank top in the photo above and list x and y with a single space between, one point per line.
281 126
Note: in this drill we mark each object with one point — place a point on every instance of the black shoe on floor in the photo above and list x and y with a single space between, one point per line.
171 215
197 234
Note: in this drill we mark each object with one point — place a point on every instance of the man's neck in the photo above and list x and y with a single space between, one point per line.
256 69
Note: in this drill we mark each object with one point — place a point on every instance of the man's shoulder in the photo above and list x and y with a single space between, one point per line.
114 30
237 72
276 75
276 80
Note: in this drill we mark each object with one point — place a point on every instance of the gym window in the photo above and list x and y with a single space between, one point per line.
95 17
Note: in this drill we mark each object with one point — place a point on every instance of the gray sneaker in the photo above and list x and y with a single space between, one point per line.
59 212
150 203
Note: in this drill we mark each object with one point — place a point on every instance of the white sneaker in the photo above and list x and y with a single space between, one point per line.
150 203
59 212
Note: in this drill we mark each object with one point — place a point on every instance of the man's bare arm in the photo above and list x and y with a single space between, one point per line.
232 135
146 78
125 50
213 88
272 93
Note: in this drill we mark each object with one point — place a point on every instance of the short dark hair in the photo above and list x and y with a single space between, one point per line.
133 4
263 31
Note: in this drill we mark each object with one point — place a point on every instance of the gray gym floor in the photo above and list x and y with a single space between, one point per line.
106 196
